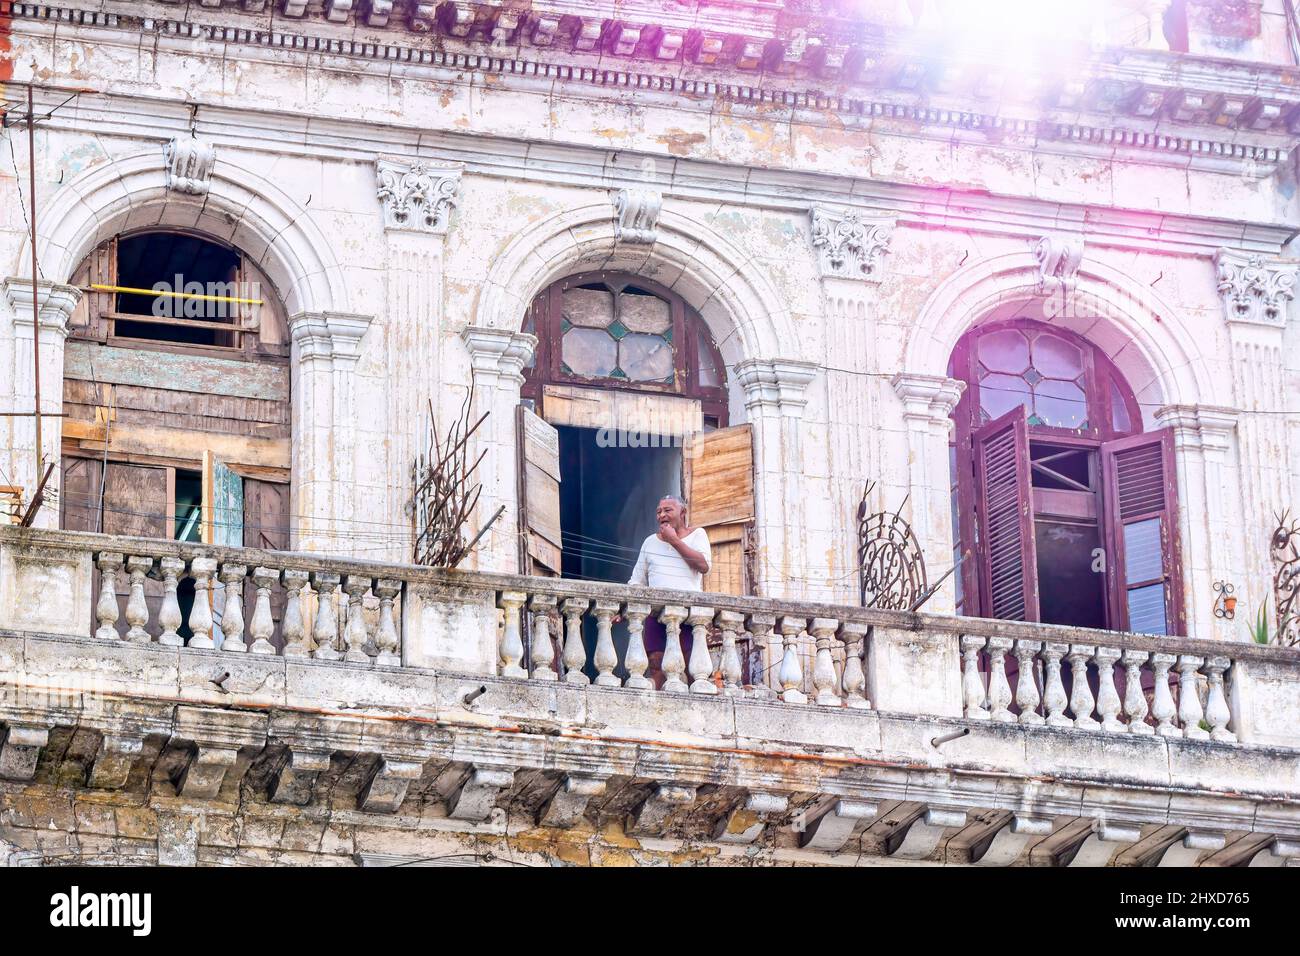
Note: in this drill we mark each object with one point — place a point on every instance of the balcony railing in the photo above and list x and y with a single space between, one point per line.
369 614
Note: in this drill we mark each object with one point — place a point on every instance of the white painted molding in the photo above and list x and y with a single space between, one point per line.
779 385
57 302
1255 288
498 352
1207 427
927 399
417 196
849 244
330 336
189 161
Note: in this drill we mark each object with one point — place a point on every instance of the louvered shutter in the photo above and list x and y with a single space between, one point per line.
1004 511
1139 505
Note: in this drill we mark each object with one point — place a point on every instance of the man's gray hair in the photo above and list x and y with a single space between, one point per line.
677 498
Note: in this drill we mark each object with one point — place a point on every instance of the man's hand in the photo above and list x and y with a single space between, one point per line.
668 533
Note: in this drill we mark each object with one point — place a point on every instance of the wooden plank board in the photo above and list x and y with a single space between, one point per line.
79 494
631 412
136 501
718 475
169 370
180 444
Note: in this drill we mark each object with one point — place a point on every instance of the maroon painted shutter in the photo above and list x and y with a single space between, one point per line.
1004 511
1140 507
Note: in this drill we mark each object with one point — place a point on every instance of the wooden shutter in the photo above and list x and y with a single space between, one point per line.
718 478
1004 512
539 494
223 504
266 514
103 271
79 494
1139 504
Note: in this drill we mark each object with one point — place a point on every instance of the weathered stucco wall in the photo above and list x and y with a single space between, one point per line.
296 137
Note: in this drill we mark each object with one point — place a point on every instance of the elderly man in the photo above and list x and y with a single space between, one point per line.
677 557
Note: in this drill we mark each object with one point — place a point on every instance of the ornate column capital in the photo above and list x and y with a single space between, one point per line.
850 244
775 385
1207 427
417 196
189 161
927 399
57 302
498 352
329 336
637 215
1255 289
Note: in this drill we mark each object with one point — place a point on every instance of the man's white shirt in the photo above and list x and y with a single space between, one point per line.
660 566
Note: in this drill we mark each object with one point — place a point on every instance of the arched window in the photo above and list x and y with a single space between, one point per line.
614 330
1067 508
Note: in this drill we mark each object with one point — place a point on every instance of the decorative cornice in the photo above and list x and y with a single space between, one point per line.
850 245
927 399
1170 90
1255 289
57 301
1058 263
777 385
189 162
417 196
637 212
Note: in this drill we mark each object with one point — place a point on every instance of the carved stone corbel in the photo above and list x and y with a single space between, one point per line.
189 165
637 215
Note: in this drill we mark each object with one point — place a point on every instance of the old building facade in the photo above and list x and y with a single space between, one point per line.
1033 276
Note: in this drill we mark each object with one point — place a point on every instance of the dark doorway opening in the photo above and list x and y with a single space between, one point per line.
608 493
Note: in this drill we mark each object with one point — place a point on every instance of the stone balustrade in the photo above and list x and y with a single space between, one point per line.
236 601
1113 687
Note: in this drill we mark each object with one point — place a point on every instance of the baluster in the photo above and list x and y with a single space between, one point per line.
1162 705
823 629
202 570
1191 714
701 663
999 687
542 653
137 610
1135 702
854 636
106 611
1054 699
387 644
791 669
636 660
731 623
606 657
575 652
354 632
169 615
761 684
262 626
972 685
511 651
1217 713
1107 696
1189 701
674 664
232 612
1081 702
325 629
1027 683
292 627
